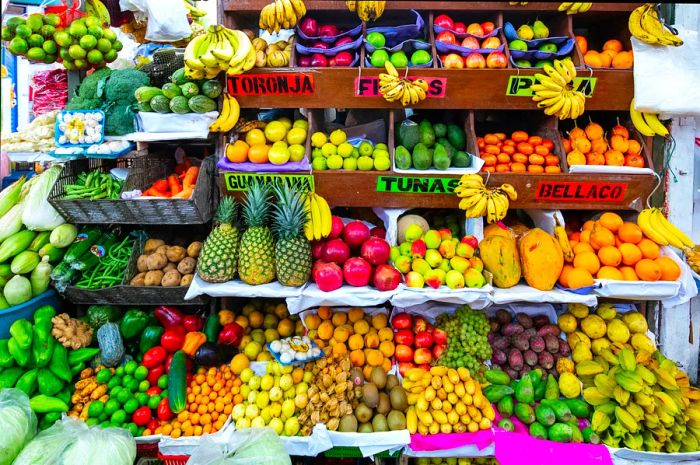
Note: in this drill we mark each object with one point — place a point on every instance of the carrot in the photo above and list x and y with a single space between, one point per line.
152 192
190 178
174 184
186 193
161 185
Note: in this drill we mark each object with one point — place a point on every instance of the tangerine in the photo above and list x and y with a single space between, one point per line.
519 136
602 236
575 133
519 158
619 143
606 57
594 131
670 271
582 247
586 236
502 168
593 59
237 152
579 277
630 232
588 261
552 169
613 44
575 158
623 60
609 256
518 167
634 160
536 159
595 159
582 44
630 254
535 169
628 273
258 153
648 270
588 225
619 129
611 221
634 147
649 248
563 276
610 272
567 145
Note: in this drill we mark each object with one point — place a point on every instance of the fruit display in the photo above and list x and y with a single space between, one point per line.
180 96
478 200
554 92
166 265
572 8
281 14
590 146
526 343
645 24
33 37
533 47
430 146
396 89
418 343
218 49
467 340
475 46
333 152
612 54
520 153
647 123
692 257
445 400
322 45
410 54
272 55
278 142
367 10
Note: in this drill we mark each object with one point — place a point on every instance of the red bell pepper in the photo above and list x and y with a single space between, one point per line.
173 339
192 323
168 316
163 412
231 334
153 357
142 416
154 374
154 391
161 185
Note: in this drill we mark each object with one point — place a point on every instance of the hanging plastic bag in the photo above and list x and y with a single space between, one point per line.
254 446
17 422
167 20
50 90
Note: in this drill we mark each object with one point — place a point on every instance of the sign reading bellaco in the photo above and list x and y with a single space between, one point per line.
271 84
557 191
368 86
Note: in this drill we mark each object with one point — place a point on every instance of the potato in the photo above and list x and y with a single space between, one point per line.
171 279
151 245
170 266
141 263
156 261
176 253
187 265
162 249
138 280
186 280
153 278
194 249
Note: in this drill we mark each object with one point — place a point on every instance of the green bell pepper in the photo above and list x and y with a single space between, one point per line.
27 382
44 314
43 343
6 359
9 377
150 337
49 384
20 355
21 331
133 323
82 355
59 363
212 327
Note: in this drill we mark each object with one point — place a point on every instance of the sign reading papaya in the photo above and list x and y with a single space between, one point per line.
368 86
410 185
271 84
241 181
557 191
519 86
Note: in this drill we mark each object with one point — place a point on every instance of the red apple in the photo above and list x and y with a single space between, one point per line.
331 62
405 366
496 60
336 227
471 240
453 61
487 27
318 61
403 353
404 336
420 324
401 320
328 30
439 336
328 276
319 44
471 43
343 41
304 61
460 28
475 60
424 339
491 42
438 350
475 29
446 37
444 21
309 27
357 271
422 355
343 59
386 277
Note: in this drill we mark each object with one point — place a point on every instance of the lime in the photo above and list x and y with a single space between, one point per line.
141 429
18 46
366 149
94 56
76 52
133 429
123 396
142 398
335 162
111 406
68 64
382 163
130 406
420 57
319 164
36 54
153 402
114 381
109 34
95 31
77 30
50 47
130 366
13 22
92 21
95 409
380 153
378 58
316 153
52 19
104 45
88 42
126 379
141 373
6 34
163 382
103 375
111 56
118 417
365 163
48 59
381 146
48 31
62 38
35 21
116 45
350 164
105 424
92 422
345 150
80 64
35 40
143 385
114 392
23 31
355 153
103 417
377 39
133 385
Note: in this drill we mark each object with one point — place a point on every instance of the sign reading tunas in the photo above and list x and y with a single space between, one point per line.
241 181
416 185
271 84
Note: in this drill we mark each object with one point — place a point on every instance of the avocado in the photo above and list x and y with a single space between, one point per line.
427 135
408 134
402 158
422 157
440 129
370 395
348 424
456 136
461 160
396 420
448 147
440 159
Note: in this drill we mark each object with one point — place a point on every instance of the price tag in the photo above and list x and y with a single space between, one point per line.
240 181
558 191
416 185
271 84
519 86
368 86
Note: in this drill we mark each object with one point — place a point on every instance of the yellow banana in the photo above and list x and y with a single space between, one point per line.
325 213
316 215
390 68
661 224
550 83
634 23
563 239
309 225
652 120
233 114
672 229
225 109
644 223
639 122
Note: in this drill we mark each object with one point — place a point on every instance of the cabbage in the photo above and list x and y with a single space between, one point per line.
11 222
17 423
17 290
38 214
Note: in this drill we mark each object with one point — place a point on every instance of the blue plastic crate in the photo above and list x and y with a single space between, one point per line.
26 310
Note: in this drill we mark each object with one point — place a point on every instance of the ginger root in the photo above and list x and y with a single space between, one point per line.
70 332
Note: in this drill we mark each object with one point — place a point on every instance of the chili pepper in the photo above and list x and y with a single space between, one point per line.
164 413
226 317
21 331
211 327
154 374
153 357
192 342
150 337
231 334
168 316
173 338
133 323
192 323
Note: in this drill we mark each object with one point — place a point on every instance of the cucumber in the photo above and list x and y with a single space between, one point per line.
93 255
82 243
525 413
39 241
561 410
177 384
55 254
15 244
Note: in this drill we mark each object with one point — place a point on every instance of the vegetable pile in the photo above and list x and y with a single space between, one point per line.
37 136
179 185
93 186
179 96
166 265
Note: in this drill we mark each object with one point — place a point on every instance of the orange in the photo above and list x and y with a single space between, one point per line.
564 276
536 159
623 60
649 248
670 271
609 256
630 254
634 147
619 129
520 158
588 261
575 158
606 57
610 272
535 169
611 221
258 153
628 273
630 232
552 169
614 158
582 247
594 131
601 236
582 44
502 168
595 159
586 236
588 225
634 160
579 277
599 146
581 144
518 167
613 44
648 270
237 152
593 59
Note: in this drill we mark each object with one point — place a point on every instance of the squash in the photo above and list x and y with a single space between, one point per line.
500 256
542 259
111 345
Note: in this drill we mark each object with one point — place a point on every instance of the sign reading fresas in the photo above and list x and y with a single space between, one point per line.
557 191
409 185
368 86
241 181
519 86
271 84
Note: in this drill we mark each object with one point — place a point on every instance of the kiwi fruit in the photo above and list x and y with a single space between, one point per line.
348 424
391 381
396 420
357 377
363 413
379 423
365 428
398 398
370 395
378 377
384 405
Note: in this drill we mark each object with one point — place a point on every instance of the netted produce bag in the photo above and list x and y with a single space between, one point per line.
50 90
254 446
17 423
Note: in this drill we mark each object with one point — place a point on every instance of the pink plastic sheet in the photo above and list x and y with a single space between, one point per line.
523 449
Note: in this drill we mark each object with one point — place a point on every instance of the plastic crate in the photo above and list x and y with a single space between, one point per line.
173 459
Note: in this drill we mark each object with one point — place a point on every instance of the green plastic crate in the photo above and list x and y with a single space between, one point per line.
346 452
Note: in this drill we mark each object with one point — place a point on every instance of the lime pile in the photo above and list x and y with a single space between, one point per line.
32 37
333 152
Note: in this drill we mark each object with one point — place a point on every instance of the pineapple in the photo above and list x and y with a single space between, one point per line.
217 261
256 256
292 250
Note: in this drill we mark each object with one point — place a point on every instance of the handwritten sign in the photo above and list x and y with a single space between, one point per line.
271 84
519 86
241 181
368 86
557 191
415 185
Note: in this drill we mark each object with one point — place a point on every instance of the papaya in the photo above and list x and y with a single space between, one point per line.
560 409
461 160
440 130
541 258
578 407
506 424
448 147
494 392
408 134
560 432
456 136
422 157
402 158
496 229
441 160
427 135
524 391
551 391
500 256
545 415
497 377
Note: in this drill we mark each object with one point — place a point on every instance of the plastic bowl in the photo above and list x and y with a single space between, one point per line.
26 310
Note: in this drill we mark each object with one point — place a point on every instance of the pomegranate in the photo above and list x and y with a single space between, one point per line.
336 227
335 251
316 248
328 276
357 271
378 231
355 234
304 61
309 27
375 250
386 277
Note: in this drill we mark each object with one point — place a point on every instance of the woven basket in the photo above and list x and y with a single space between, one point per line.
143 171
165 62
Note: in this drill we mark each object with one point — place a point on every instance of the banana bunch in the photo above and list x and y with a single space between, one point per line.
554 92
692 257
281 14
656 227
644 24
572 8
563 239
219 49
97 9
367 10
396 89
318 214
245 125
230 112
193 11
647 124
478 200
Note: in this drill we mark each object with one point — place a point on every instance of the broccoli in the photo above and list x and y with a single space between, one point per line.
90 94
122 84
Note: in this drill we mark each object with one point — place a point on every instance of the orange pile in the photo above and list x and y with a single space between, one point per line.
613 54
367 338
520 154
589 146
611 248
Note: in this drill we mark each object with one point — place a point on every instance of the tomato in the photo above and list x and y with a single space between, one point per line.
502 168
142 416
541 150
444 21
509 149
503 158
534 140
489 160
492 149
446 37
154 390
491 139
510 142
519 136
634 160
154 356
500 135
548 143
155 373
536 159
524 147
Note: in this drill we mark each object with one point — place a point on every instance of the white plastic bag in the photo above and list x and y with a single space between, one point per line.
254 446
17 422
39 214
167 20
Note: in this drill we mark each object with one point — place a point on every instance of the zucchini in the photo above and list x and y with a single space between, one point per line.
25 262
93 255
15 244
39 241
55 254
177 395
88 236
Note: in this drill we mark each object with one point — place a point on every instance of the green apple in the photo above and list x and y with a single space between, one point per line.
517 44
420 57
366 149
548 47
377 39
399 59
378 58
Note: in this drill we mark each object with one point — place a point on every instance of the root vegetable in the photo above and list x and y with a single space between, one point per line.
495 326
153 278
176 253
540 320
171 279
162 249
141 263
194 249
169 266
501 342
139 279
529 332
499 357
530 358
537 344
186 280
70 332
152 245
187 265
156 261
